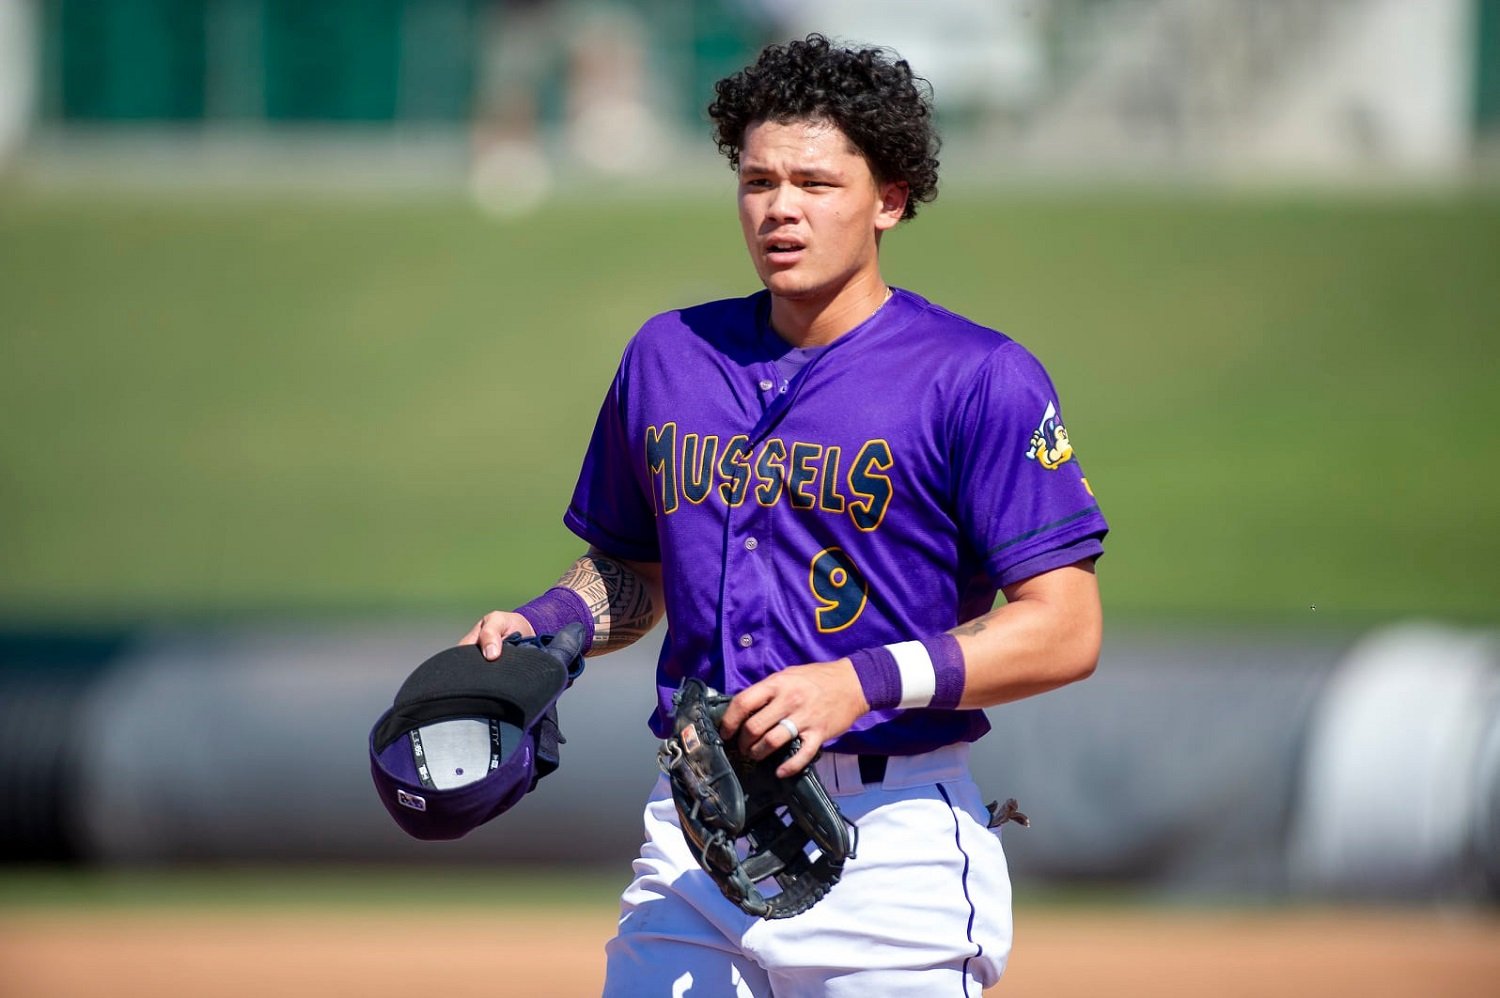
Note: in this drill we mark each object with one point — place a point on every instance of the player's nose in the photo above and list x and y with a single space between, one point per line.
785 203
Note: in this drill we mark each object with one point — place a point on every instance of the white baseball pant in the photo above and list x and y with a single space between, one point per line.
924 907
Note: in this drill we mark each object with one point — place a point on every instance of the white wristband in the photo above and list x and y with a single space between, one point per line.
918 677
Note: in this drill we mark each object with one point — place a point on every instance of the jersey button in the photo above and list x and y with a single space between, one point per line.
751 544
765 384
746 641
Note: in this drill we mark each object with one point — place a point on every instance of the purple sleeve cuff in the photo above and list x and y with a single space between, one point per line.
879 677
1091 546
557 608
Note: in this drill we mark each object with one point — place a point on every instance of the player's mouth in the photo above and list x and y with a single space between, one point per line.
783 251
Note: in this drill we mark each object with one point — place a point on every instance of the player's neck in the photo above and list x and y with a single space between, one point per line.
813 322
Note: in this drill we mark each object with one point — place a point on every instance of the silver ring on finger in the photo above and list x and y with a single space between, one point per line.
789 725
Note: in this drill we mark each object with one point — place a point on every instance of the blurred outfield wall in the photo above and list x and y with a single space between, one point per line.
523 95
1204 766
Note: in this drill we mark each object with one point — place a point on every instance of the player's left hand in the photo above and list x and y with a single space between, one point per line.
821 699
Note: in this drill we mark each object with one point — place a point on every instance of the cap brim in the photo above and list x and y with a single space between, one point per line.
459 682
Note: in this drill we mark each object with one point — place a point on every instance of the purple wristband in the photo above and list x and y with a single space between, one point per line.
948 670
879 677
557 608
926 673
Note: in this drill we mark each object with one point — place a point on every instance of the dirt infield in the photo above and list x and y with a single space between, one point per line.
1059 953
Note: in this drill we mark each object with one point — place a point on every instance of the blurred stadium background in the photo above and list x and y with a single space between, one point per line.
306 308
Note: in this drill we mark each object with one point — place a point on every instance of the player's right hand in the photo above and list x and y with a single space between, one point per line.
492 630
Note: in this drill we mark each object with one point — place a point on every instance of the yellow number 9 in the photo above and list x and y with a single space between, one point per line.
840 589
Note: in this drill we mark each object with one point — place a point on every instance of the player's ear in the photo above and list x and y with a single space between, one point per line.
893 196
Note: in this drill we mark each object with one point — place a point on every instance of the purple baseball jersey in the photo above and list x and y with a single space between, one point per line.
806 504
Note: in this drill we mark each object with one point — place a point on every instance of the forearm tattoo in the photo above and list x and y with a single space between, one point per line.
618 598
973 627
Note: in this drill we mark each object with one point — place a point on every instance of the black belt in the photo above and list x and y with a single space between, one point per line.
872 769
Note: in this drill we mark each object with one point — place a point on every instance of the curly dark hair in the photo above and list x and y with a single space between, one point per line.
869 93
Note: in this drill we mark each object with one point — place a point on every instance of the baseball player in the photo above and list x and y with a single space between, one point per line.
824 486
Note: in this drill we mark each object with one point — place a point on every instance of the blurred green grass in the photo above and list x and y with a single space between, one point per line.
216 408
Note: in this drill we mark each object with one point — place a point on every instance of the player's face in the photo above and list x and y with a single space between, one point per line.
811 211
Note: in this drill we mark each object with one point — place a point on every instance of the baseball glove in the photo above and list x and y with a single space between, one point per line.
793 829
